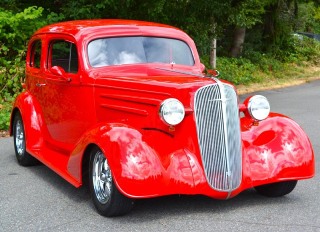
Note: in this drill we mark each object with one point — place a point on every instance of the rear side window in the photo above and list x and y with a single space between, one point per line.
35 56
63 54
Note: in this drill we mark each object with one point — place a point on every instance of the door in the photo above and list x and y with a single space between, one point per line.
62 96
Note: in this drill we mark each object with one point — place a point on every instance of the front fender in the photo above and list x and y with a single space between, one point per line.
140 170
276 149
137 168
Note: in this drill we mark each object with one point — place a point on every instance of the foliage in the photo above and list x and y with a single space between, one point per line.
15 31
237 70
256 67
5 109
302 49
308 18
247 13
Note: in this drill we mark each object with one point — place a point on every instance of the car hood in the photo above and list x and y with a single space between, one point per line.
164 76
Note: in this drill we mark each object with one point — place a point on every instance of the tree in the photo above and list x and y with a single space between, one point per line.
244 14
229 20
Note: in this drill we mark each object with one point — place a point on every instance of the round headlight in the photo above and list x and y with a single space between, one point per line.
259 107
172 111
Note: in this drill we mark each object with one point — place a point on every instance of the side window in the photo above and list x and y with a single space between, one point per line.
35 56
63 54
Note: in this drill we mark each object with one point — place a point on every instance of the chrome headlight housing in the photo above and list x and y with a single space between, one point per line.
172 111
258 107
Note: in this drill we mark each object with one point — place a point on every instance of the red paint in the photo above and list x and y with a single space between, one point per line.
117 109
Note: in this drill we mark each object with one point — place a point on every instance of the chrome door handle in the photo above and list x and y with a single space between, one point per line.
40 85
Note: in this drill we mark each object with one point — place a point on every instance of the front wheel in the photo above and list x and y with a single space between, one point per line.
278 189
105 196
19 136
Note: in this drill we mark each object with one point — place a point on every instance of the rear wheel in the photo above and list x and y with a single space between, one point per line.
19 136
105 196
277 189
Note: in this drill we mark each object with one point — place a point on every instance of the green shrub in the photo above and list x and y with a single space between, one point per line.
300 48
15 31
5 109
237 70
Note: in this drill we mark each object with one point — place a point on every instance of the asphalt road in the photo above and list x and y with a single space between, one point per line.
37 199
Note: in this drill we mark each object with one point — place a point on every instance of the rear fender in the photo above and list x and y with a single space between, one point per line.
31 114
276 149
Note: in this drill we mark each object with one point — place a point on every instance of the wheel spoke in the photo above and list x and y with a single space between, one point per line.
102 179
107 189
19 138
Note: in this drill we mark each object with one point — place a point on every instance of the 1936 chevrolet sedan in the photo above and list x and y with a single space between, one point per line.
125 107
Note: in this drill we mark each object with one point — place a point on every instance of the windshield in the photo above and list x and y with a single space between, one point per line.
135 50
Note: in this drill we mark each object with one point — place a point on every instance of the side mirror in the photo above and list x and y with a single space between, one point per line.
213 72
202 67
59 71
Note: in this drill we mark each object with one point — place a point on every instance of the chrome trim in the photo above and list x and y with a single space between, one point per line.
218 129
19 138
224 102
101 178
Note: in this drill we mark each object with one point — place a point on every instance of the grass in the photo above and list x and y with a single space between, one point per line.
289 76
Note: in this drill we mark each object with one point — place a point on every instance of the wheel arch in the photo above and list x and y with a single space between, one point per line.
130 158
31 115
14 111
85 163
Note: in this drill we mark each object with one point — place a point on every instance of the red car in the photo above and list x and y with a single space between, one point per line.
125 107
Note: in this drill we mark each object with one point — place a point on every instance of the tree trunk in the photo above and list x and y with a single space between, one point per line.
213 54
238 40
270 31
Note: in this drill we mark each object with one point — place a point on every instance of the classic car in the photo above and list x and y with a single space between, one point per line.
127 108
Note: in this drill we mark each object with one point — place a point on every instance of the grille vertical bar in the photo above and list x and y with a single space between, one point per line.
218 128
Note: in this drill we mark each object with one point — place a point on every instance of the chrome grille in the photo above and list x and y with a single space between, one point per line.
218 128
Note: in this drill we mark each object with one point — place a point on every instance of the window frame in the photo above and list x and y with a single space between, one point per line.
33 52
72 46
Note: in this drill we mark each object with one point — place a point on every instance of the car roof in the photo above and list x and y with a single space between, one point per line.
76 27
310 35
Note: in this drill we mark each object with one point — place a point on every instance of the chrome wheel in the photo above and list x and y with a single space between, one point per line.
104 193
101 178
19 138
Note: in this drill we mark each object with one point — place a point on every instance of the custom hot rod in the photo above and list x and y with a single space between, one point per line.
127 108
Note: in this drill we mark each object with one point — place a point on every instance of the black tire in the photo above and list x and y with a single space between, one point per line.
19 138
278 189
106 197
